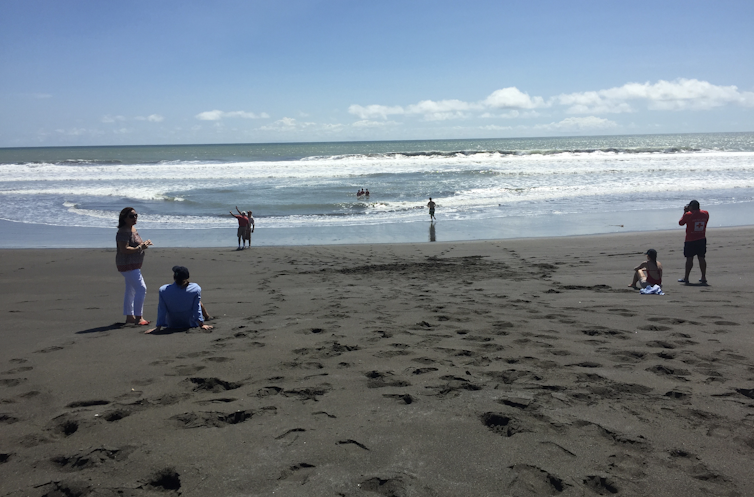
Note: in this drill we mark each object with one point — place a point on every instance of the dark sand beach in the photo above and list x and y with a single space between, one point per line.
509 367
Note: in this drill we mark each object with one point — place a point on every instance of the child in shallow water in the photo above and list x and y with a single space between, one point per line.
649 272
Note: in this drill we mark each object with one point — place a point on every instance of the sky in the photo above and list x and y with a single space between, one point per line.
88 72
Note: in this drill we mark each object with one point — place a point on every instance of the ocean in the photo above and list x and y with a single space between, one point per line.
306 192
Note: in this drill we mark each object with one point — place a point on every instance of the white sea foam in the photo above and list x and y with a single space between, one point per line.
354 167
320 190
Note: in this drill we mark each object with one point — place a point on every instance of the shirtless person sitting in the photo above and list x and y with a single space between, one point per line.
649 272
181 304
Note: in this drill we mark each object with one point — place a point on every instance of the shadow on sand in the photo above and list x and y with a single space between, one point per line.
100 329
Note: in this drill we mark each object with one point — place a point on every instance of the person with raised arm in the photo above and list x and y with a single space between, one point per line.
695 243
243 223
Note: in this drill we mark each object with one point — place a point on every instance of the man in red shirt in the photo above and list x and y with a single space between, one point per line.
696 239
243 224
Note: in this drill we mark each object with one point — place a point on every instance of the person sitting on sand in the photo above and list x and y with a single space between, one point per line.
181 304
649 272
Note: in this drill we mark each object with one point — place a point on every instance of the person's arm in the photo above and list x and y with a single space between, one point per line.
125 248
239 212
162 314
683 218
196 309
643 265
198 316
251 220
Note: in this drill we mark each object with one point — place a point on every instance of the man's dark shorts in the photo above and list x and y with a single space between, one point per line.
697 247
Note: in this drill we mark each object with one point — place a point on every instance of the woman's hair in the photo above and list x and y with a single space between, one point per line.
652 254
122 217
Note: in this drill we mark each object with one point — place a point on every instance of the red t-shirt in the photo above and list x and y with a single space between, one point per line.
696 224
242 220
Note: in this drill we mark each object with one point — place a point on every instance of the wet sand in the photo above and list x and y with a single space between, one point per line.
509 367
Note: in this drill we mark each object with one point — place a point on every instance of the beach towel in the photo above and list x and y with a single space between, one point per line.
652 290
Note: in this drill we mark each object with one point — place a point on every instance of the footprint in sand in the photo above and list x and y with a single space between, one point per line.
22 369
214 385
91 458
532 480
215 419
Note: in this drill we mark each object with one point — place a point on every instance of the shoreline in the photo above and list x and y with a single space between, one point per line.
20 235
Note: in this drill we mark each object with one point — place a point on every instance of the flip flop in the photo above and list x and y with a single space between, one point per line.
143 322
681 280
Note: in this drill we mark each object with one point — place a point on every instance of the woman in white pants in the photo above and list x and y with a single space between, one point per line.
128 259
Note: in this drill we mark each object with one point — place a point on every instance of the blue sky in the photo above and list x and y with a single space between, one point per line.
145 72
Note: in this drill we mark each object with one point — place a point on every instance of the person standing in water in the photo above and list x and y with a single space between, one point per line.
431 206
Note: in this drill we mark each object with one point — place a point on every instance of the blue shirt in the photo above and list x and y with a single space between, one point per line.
180 307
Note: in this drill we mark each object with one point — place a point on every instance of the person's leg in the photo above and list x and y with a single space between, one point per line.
140 295
136 291
128 298
635 280
689 267
703 267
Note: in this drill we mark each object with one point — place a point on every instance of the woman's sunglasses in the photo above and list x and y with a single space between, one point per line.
133 216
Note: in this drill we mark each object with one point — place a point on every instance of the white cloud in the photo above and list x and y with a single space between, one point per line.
79 132
153 118
286 124
680 94
513 98
372 111
441 110
512 103
290 124
111 119
365 123
578 124
216 115
511 114
495 127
